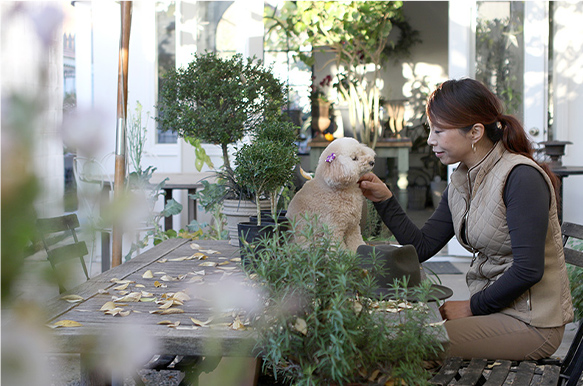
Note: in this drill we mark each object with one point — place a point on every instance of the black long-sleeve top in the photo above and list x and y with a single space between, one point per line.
527 200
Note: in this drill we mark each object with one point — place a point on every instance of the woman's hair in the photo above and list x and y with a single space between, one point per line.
460 104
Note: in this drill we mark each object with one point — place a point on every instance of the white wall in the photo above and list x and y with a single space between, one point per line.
568 99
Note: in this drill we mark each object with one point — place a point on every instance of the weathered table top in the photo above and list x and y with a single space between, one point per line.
211 284
207 277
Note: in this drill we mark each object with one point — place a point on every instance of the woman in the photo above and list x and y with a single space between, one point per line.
501 206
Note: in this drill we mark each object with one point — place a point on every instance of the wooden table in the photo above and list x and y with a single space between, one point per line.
397 149
223 293
218 285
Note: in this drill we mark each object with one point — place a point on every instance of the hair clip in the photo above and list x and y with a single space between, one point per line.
331 158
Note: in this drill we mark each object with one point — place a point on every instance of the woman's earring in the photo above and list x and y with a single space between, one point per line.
473 147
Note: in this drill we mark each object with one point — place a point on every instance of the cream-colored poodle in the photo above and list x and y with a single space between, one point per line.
333 194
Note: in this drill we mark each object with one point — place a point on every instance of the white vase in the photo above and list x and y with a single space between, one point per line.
238 211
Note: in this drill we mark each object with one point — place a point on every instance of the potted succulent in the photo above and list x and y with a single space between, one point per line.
220 100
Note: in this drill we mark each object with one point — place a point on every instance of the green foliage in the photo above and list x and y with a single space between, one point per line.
267 164
210 199
218 100
202 157
359 34
320 324
576 280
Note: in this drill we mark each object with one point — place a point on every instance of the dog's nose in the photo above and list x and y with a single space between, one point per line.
371 163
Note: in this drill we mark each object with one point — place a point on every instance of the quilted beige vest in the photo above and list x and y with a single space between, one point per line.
476 201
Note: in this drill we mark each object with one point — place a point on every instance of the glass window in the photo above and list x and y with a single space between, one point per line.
500 51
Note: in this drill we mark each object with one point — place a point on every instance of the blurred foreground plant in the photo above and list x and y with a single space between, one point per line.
322 325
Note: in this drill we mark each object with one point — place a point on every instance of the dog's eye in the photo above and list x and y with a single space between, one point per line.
354 158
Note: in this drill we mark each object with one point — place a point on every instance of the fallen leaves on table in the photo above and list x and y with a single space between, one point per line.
208 264
73 298
209 251
65 323
148 274
194 246
157 284
108 306
168 311
119 281
118 311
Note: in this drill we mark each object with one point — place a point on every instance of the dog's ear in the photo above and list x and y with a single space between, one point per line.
338 171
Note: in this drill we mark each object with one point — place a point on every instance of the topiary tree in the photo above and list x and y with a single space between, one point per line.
219 100
266 165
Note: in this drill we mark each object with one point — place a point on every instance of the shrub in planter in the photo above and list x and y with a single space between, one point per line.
266 165
218 100
321 325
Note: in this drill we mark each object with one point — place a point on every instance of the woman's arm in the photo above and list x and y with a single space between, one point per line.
430 239
527 200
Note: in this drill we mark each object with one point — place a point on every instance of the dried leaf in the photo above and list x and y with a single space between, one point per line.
200 273
174 325
122 293
107 306
184 258
202 324
118 281
121 287
166 304
236 259
124 313
65 323
114 311
164 322
162 260
374 375
159 285
195 279
194 246
208 264
147 299
102 291
225 263
173 311
168 278
148 274
73 298
147 294
227 268
200 256
181 296
237 325
140 286
210 251
301 326
132 297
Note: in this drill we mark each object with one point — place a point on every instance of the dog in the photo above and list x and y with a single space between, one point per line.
333 194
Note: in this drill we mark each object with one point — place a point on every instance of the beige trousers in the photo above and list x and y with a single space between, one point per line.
499 336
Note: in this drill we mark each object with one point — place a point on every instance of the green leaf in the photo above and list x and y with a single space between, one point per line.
172 208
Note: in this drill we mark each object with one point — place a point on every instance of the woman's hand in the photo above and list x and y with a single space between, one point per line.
455 309
374 188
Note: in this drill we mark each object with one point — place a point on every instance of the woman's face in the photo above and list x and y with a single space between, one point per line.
450 145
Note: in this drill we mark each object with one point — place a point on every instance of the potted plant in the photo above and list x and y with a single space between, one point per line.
265 166
320 323
219 101
358 33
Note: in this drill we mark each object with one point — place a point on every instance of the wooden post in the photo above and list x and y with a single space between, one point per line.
122 108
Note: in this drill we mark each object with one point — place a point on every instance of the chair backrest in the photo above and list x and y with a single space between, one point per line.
56 234
573 363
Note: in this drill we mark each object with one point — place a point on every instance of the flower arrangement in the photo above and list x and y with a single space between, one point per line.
320 92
